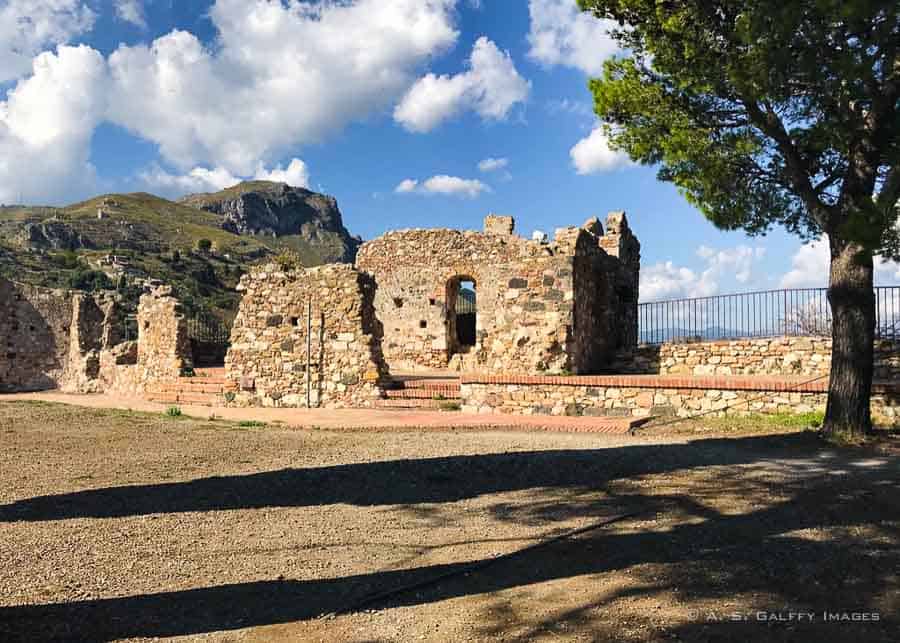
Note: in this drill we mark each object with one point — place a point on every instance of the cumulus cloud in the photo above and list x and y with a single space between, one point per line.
810 267
490 87
201 179
280 76
29 26
131 11
492 164
443 184
406 186
247 100
46 124
592 155
562 34
665 280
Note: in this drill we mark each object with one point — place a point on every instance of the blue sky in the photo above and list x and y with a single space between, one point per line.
177 96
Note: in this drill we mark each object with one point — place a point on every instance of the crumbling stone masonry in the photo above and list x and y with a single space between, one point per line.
564 305
268 353
162 351
73 341
34 327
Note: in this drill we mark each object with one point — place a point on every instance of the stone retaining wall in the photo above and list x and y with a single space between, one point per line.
267 357
764 356
641 396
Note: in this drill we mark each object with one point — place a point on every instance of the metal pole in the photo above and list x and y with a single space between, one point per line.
308 352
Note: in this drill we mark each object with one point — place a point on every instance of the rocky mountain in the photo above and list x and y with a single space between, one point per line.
201 245
263 208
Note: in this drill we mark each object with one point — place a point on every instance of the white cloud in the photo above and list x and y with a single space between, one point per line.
201 179
562 34
295 174
131 11
28 26
443 184
280 76
46 124
592 154
491 87
492 164
810 267
406 186
665 280
737 261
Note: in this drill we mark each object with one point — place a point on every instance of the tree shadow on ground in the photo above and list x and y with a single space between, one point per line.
400 482
714 556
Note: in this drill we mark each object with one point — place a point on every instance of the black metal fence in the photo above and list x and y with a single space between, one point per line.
768 313
207 328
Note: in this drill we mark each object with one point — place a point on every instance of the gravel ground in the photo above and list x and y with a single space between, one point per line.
120 525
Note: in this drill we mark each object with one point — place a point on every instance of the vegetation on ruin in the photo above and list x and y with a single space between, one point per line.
771 112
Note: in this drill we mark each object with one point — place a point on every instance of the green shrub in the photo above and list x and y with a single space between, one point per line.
204 245
251 424
450 406
89 280
288 260
173 412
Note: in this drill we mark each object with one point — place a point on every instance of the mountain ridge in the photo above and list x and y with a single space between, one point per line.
122 240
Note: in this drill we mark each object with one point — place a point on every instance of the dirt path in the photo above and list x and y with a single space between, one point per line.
128 526
339 418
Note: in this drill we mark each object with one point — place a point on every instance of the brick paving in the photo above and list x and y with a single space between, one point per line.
351 418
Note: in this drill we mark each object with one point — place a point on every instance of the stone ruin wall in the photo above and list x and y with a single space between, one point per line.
162 351
58 339
267 358
762 356
541 307
35 326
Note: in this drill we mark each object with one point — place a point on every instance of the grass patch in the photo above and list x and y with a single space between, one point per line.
750 423
251 424
450 406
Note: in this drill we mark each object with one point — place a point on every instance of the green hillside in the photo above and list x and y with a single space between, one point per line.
119 241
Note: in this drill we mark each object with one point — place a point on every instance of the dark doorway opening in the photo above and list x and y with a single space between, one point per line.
466 311
210 338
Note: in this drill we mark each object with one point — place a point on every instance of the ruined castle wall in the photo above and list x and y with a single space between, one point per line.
523 298
541 307
268 354
163 348
34 330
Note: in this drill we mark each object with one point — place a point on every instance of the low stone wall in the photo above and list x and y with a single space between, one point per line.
267 358
764 356
640 396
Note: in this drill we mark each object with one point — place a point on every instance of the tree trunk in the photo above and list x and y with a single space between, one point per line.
852 300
